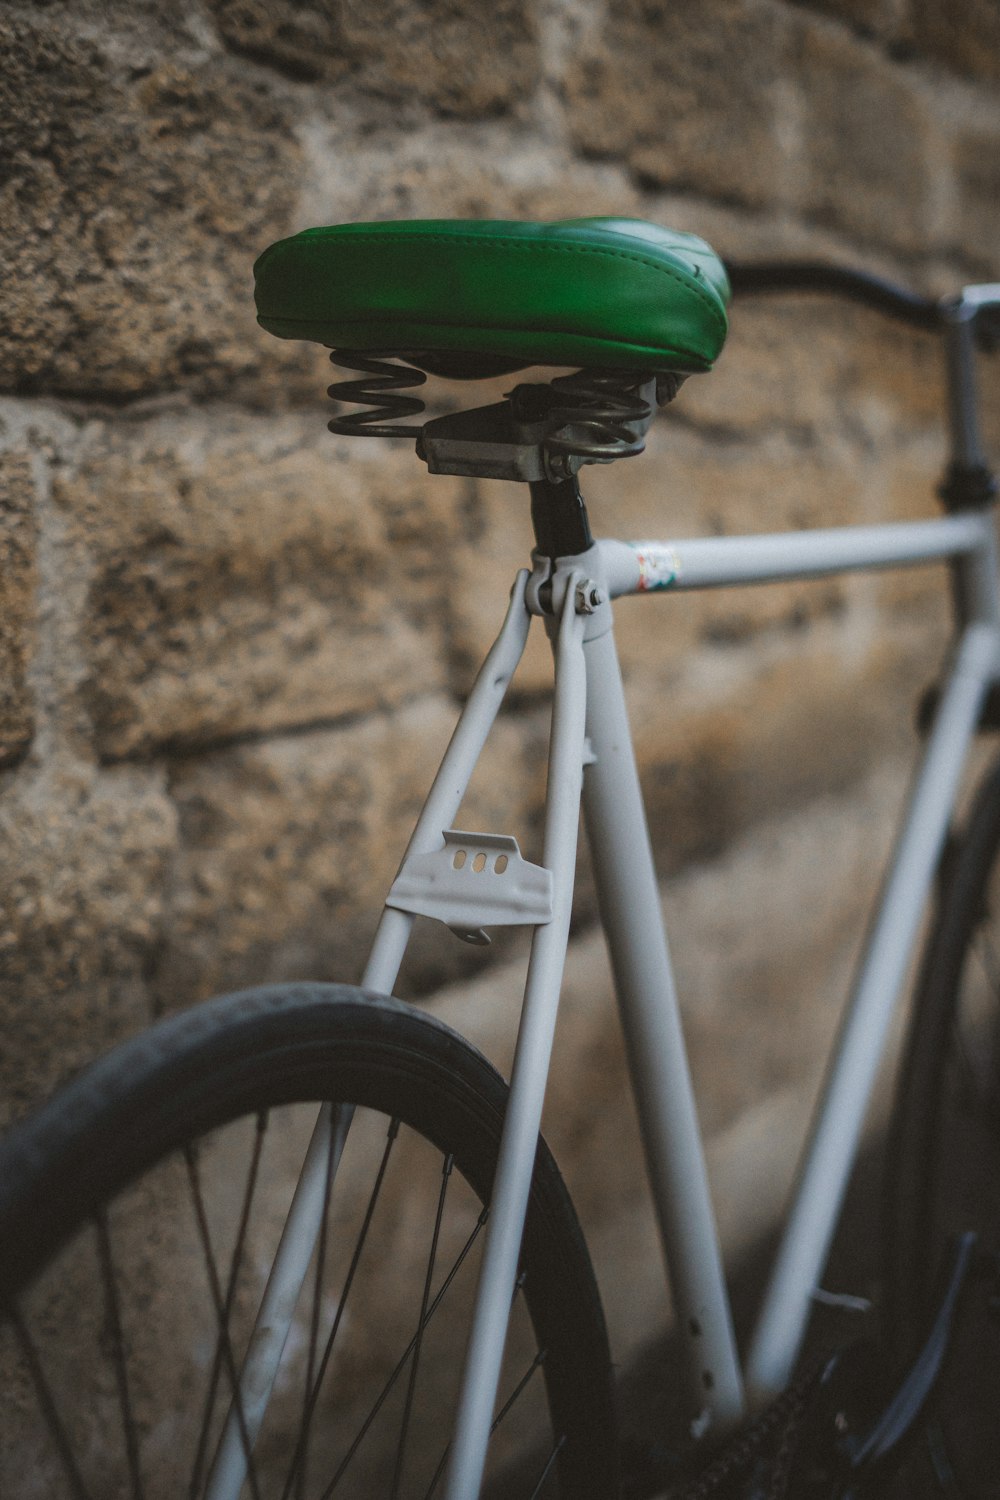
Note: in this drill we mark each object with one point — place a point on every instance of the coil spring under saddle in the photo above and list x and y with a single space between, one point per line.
377 391
598 415
551 429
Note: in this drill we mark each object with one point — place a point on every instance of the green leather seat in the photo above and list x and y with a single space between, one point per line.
497 295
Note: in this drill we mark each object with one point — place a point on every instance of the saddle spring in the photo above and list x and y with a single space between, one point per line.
601 416
377 391
589 416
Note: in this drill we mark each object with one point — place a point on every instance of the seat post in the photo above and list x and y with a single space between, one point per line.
559 518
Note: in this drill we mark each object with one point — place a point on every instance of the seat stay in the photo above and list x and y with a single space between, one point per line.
512 1185
302 1226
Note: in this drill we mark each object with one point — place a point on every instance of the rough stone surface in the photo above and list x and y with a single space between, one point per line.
82 917
142 175
686 97
969 43
229 576
889 20
458 60
977 168
823 372
868 141
17 603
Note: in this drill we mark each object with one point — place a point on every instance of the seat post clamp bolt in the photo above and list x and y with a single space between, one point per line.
589 596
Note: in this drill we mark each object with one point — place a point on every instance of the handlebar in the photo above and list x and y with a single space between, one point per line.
749 279
979 304
968 320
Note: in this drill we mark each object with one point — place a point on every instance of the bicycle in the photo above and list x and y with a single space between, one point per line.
160 1151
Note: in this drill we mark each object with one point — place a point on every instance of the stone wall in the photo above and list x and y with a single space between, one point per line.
232 646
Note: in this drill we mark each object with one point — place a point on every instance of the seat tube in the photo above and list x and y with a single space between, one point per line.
632 918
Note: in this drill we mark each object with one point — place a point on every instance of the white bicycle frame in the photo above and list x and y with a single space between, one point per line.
591 758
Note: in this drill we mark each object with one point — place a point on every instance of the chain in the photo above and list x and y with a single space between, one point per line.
784 1416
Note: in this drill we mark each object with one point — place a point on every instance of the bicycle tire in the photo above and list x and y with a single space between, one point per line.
115 1148
943 1157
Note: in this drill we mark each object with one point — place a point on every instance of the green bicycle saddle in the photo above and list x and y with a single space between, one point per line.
492 296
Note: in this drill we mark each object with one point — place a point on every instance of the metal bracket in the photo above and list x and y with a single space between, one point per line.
544 431
487 442
476 880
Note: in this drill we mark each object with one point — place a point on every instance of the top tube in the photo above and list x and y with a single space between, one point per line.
749 279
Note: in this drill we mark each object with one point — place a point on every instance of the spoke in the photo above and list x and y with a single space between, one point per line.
234 1270
227 1347
298 1457
449 1162
47 1403
113 1311
308 1399
436 1476
536 1363
400 1366
547 1470
521 1386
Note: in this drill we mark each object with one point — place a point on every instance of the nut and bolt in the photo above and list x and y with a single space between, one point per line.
589 596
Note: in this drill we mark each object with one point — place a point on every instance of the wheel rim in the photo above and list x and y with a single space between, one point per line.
963 1192
944 1163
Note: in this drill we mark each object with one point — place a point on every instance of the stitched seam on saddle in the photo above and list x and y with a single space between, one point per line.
511 244
590 338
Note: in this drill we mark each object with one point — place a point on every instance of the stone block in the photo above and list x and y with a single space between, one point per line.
869 137
142 175
730 741
909 493
302 41
889 20
965 40
686 96
821 369
289 846
777 369
81 912
251 580
977 173
916 594
461 61
890 385
17 603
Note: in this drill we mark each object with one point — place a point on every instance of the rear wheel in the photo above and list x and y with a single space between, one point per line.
139 1213
943 1172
